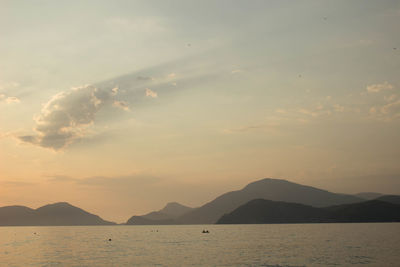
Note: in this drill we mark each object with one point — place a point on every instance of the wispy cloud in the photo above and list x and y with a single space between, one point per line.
16 183
144 78
106 181
121 104
376 88
9 99
236 71
151 93
281 118
385 107
12 99
387 112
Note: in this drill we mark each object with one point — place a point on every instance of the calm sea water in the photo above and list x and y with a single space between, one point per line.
225 245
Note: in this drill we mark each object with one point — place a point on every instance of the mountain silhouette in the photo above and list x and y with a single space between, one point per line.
395 199
272 189
164 216
175 209
368 195
60 213
267 211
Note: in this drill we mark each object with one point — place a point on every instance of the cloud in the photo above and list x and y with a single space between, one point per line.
392 109
144 78
245 128
121 104
338 108
308 112
60 178
376 88
386 108
387 112
390 98
9 100
124 181
316 111
16 183
12 99
66 116
151 93
114 91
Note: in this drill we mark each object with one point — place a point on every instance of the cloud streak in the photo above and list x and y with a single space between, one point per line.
376 88
9 99
124 181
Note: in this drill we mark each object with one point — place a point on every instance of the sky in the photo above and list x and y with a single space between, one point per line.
119 107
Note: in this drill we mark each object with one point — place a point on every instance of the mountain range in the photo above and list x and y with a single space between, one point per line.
266 200
58 214
267 211
271 189
167 215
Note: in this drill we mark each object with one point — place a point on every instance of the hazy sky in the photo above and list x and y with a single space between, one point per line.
119 107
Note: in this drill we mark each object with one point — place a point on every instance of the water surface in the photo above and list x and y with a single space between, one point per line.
368 244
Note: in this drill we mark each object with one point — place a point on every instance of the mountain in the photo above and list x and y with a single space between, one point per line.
175 209
367 211
395 199
16 215
267 211
272 189
60 213
166 215
368 195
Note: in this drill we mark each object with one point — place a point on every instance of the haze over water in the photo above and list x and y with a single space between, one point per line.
226 245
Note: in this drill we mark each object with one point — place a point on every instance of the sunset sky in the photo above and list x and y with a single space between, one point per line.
119 107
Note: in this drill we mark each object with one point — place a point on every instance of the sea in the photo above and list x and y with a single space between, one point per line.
273 245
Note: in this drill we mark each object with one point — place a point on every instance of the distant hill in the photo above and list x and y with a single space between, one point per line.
166 215
60 213
368 195
266 211
395 199
16 215
175 209
272 189
367 211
